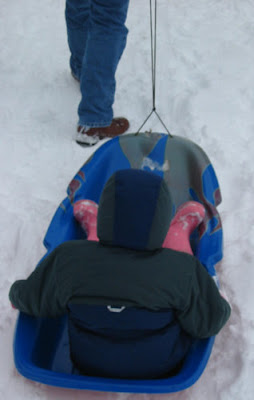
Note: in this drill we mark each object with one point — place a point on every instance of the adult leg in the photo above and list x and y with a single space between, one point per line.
77 15
106 41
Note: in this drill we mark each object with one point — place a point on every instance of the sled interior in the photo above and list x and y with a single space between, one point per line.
41 348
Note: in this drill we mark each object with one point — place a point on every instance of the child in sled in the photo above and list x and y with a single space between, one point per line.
164 298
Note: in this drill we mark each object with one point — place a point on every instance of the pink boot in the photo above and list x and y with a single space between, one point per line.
85 212
187 218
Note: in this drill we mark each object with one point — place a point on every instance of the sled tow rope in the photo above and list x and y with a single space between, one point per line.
153 32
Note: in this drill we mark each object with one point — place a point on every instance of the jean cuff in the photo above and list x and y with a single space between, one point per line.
98 124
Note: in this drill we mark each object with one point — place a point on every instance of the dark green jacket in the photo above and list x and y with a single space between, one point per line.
82 271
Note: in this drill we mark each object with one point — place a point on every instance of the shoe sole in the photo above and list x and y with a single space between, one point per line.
90 140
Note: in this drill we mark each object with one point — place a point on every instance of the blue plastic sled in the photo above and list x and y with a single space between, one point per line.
41 349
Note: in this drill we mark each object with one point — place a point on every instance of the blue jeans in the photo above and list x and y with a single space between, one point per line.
97 37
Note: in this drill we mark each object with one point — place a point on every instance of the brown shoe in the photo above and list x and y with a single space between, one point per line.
93 135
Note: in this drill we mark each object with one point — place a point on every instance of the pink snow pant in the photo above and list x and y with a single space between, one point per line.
187 218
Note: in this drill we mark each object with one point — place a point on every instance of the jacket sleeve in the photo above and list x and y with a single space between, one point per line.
206 311
38 294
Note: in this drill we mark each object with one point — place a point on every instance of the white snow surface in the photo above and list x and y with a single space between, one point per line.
205 92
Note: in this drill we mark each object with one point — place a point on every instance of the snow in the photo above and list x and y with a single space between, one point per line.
205 84
153 165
